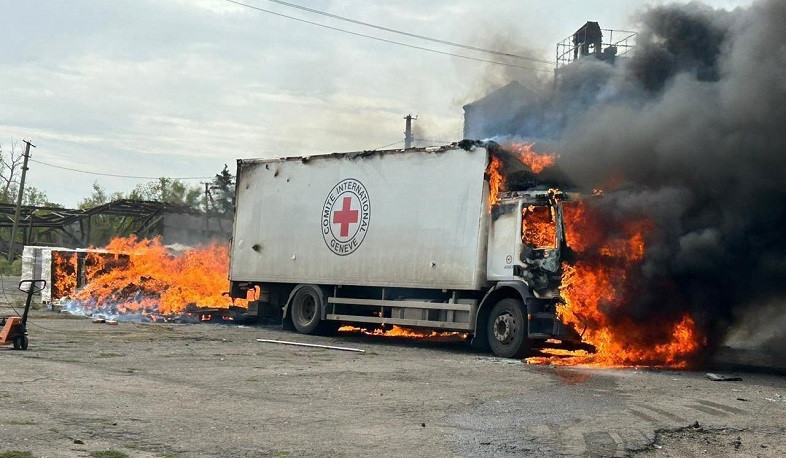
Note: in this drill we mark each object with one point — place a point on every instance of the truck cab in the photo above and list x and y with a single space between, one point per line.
526 247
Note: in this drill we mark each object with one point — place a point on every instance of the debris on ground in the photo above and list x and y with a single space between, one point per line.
723 378
301 344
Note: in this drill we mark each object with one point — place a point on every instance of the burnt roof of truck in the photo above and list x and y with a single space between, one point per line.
519 176
355 154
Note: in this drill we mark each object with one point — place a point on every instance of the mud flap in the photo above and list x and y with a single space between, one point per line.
544 324
263 312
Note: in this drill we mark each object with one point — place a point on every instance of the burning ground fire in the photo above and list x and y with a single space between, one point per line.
396 331
147 282
599 281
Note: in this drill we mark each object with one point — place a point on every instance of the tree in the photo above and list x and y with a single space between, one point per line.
10 170
223 187
102 227
10 165
98 197
37 198
168 190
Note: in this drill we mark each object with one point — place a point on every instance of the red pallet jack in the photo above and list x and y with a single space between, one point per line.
14 327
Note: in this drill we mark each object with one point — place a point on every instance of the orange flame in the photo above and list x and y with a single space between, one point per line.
496 180
152 281
536 162
397 331
538 229
64 265
597 289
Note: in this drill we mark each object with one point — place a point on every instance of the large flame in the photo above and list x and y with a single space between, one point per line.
599 287
495 178
537 226
64 266
535 161
145 278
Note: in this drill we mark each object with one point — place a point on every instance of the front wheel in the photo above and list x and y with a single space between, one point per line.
507 329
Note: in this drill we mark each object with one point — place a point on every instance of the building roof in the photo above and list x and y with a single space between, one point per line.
511 91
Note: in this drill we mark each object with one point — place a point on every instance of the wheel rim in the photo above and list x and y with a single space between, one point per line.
307 309
505 328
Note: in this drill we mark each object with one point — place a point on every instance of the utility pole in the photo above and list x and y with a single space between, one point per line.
408 131
207 200
18 211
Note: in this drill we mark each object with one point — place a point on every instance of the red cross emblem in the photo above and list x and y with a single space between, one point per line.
346 216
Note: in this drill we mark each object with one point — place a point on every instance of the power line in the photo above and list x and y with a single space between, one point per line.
442 142
385 146
116 175
413 35
337 29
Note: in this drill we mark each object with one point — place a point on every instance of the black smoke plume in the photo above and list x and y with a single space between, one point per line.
689 132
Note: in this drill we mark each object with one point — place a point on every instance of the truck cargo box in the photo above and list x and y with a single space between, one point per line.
414 219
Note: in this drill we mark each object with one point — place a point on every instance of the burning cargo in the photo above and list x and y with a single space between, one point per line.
417 238
136 280
66 270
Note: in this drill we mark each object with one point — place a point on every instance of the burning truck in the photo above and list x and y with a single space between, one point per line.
419 238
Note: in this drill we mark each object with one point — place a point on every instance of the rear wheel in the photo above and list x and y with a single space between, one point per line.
305 310
507 329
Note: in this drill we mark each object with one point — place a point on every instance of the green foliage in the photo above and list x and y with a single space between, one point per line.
223 191
10 268
35 197
102 227
108 454
168 190
22 422
16 454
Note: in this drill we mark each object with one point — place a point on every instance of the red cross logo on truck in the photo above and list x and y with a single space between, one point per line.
346 215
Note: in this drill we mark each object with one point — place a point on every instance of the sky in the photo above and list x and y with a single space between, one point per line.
179 88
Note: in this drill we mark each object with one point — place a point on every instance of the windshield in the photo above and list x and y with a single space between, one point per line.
538 228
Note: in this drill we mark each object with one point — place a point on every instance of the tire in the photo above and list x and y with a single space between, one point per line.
24 342
305 310
507 329
18 343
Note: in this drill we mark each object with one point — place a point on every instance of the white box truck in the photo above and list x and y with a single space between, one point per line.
400 237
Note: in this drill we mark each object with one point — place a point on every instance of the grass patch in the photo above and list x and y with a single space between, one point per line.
109 355
108 454
169 455
16 454
22 422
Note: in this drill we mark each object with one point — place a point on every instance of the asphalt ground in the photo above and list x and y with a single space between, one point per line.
205 389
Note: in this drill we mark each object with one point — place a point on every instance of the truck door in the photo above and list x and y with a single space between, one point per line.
504 240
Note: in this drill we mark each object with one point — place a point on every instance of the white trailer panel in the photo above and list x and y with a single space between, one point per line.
414 218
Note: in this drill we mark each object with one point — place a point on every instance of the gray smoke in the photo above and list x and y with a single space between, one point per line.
690 130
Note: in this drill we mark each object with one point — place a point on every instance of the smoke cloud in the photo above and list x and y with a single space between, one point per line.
689 133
